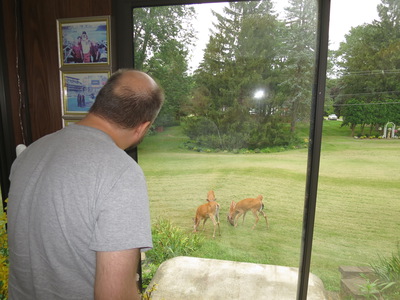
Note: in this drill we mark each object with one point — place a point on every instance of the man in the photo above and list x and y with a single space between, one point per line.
78 212
77 50
86 46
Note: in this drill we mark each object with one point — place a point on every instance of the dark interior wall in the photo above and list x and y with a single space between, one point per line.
30 30
30 96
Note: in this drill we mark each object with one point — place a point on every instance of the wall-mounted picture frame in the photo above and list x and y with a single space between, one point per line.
80 89
84 41
69 122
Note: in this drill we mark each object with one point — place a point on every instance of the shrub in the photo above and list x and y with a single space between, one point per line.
230 134
195 127
3 257
374 289
387 270
165 119
168 242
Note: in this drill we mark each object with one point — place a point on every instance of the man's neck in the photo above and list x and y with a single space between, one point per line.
94 121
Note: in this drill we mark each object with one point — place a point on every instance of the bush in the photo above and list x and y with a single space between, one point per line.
165 119
244 133
168 242
387 270
195 127
3 257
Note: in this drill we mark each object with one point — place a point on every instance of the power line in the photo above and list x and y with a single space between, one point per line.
369 93
354 104
371 72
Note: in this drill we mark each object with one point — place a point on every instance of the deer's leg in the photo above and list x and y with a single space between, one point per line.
237 217
205 219
244 214
217 219
215 224
234 219
196 224
255 216
217 214
265 217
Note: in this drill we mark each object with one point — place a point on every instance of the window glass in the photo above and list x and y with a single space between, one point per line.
238 81
357 221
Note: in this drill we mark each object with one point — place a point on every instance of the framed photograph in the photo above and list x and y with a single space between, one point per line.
84 41
69 122
79 90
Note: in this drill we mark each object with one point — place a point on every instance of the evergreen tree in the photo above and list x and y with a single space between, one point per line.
301 22
245 54
240 54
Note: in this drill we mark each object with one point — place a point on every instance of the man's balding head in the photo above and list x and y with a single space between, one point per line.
128 99
134 82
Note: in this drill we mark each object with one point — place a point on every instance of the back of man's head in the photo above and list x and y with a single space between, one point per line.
128 99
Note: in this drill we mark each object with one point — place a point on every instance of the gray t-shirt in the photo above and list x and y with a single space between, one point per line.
73 192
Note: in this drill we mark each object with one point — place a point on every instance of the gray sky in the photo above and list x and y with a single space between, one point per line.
349 13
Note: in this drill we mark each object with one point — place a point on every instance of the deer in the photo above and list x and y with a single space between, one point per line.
209 210
211 196
243 206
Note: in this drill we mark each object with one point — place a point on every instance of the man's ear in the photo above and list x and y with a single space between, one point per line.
141 130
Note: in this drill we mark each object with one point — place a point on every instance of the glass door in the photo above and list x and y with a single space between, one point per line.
238 81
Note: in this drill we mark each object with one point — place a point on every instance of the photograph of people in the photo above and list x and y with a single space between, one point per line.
84 42
81 90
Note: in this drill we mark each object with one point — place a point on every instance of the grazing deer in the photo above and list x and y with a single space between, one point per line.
243 206
211 196
208 210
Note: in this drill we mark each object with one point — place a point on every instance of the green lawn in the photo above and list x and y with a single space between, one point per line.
357 208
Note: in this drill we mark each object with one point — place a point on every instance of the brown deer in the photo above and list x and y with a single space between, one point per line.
211 196
243 206
208 210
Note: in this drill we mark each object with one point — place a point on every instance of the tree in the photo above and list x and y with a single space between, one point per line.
170 67
353 113
162 36
155 26
389 13
370 63
245 54
240 54
301 22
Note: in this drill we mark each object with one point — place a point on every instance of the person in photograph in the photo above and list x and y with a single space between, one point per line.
86 48
77 50
78 210
102 52
83 101
94 50
79 99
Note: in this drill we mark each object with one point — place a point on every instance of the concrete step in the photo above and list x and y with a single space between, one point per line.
353 271
352 281
193 278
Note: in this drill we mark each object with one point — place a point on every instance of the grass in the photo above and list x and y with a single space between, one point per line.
357 217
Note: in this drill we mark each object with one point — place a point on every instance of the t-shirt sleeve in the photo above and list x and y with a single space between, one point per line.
123 216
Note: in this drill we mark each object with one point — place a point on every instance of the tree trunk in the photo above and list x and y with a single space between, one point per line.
353 127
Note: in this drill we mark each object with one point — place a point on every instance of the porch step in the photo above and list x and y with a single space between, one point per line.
352 281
